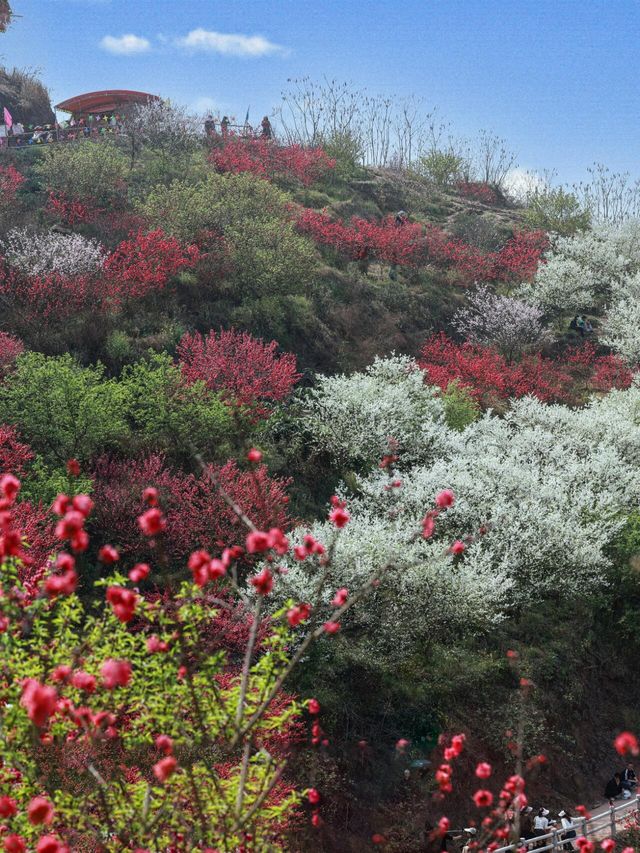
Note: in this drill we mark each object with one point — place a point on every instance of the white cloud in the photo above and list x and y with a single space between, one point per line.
519 183
228 44
125 45
205 104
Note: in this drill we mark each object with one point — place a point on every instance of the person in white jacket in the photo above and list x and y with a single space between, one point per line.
568 830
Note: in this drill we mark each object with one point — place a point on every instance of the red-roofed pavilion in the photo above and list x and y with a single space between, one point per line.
107 101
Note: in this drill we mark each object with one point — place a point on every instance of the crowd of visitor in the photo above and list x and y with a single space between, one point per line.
16 135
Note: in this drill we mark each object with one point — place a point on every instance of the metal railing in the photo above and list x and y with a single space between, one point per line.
607 824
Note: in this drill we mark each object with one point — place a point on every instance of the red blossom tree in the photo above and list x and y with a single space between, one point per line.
519 258
15 456
38 530
479 191
267 159
244 369
10 349
362 240
71 211
490 378
196 514
10 182
146 261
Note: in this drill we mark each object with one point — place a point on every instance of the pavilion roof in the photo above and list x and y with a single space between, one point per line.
104 101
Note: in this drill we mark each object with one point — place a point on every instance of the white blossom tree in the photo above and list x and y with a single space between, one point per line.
36 254
578 272
510 325
353 417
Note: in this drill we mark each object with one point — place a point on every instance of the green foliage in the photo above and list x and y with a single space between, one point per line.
556 210
212 712
43 483
64 410
460 409
161 167
267 255
346 149
443 168
93 171
168 415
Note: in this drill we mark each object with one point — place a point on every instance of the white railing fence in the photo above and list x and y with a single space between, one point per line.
606 824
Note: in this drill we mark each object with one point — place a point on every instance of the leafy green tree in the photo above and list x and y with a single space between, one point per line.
460 409
267 256
444 168
170 416
555 209
93 171
62 409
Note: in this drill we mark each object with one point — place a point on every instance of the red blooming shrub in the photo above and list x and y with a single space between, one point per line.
15 456
610 371
70 211
145 262
246 370
38 531
10 182
195 513
361 239
519 258
53 296
468 262
478 190
491 378
10 349
267 159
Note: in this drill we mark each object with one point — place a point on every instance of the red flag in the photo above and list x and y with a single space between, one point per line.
8 120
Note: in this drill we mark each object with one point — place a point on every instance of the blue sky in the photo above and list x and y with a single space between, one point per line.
557 78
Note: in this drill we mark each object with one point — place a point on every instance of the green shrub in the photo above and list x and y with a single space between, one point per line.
267 255
443 168
170 416
556 210
63 410
460 409
92 171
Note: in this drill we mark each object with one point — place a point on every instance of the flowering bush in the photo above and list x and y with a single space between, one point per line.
579 271
548 486
172 745
266 159
196 514
478 191
508 324
10 182
15 456
412 245
70 211
244 369
519 258
145 262
363 240
352 417
10 348
489 377
67 255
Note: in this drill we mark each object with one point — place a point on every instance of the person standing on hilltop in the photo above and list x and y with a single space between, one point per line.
224 127
266 132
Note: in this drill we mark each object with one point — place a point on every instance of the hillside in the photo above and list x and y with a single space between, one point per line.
354 486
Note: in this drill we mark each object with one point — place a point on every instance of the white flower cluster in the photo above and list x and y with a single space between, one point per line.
353 417
35 253
511 325
542 492
578 272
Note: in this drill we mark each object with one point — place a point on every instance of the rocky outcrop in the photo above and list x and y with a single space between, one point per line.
26 98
